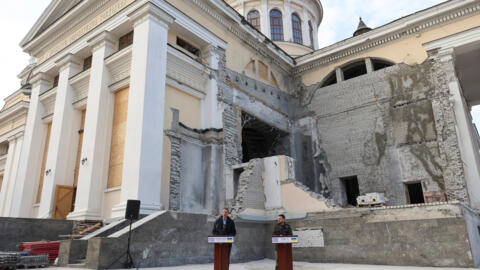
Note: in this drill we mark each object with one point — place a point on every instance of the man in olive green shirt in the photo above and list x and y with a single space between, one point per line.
281 229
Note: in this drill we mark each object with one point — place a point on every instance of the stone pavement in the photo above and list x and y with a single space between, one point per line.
270 264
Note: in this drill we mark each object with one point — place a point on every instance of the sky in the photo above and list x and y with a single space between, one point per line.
339 22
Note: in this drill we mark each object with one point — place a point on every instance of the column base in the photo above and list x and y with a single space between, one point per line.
145 209
84 215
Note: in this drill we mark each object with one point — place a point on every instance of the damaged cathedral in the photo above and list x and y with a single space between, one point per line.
189 106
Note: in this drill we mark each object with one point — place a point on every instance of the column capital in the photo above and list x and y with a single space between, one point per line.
104 38
446 55
40 78
68 60
150 10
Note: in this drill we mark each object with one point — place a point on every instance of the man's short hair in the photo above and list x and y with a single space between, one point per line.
225 208
282 215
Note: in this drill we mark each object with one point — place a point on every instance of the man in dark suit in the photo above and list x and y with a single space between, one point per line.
224 225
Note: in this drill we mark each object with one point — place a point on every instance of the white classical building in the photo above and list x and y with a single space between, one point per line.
167 101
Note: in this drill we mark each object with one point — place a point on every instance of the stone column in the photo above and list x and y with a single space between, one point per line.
369 65
339 74
26 180
305 28
6 191
16 142
265 19
60 153
211 107
90 184
142 165
287 22
458 188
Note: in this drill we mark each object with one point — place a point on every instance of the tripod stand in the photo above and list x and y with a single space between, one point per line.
129 259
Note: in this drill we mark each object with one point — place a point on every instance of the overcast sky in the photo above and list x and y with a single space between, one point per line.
339 22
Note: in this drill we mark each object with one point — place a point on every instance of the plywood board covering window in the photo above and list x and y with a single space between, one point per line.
79 149
44 163
262 70
117 146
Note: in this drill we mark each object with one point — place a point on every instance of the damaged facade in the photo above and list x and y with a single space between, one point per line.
193 105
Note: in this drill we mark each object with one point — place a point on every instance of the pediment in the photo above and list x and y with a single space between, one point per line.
55 10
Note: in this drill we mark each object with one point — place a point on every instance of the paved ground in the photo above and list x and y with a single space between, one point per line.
269 264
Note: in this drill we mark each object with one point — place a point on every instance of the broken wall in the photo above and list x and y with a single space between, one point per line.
388 128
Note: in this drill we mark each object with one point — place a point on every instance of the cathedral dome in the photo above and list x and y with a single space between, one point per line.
291 24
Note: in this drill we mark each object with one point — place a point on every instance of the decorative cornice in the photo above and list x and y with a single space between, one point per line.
68 59
105 38
391 32
40 78
150 10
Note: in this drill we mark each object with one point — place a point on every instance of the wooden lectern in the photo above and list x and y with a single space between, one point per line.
284 249
221 251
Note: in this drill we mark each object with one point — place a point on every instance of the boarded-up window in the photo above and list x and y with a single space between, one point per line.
274 81
262 70
79 149
63 202
44 163
117 146
251 66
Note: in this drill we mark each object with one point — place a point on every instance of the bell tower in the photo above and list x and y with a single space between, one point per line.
291 24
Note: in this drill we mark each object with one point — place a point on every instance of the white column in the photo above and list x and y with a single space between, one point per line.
339 74
369 65
60 157
11 168
287 22
315 36
463 126
28 176
142 165
5 189
90 185
305 28
211 108
265 20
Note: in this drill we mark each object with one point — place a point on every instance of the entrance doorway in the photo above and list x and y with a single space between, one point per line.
414 193
352 191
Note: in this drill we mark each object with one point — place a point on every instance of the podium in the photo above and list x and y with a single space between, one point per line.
284 250
222 244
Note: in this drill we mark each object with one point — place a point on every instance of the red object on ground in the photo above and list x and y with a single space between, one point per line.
38 248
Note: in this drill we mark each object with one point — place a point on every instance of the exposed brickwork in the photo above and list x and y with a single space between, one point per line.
175 171
444 72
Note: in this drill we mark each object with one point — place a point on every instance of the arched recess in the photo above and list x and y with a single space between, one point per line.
356 68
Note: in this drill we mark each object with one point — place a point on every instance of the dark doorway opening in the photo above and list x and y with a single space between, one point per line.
260 140
415 193
352 191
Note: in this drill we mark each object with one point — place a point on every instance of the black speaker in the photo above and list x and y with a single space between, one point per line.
133 209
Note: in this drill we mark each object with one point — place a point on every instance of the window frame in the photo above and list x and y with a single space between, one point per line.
254 21
276 29
297 34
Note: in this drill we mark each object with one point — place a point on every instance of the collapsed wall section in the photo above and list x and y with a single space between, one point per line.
390 131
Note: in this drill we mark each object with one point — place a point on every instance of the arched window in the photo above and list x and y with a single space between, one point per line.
310 31
253 18
276 25
297 29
